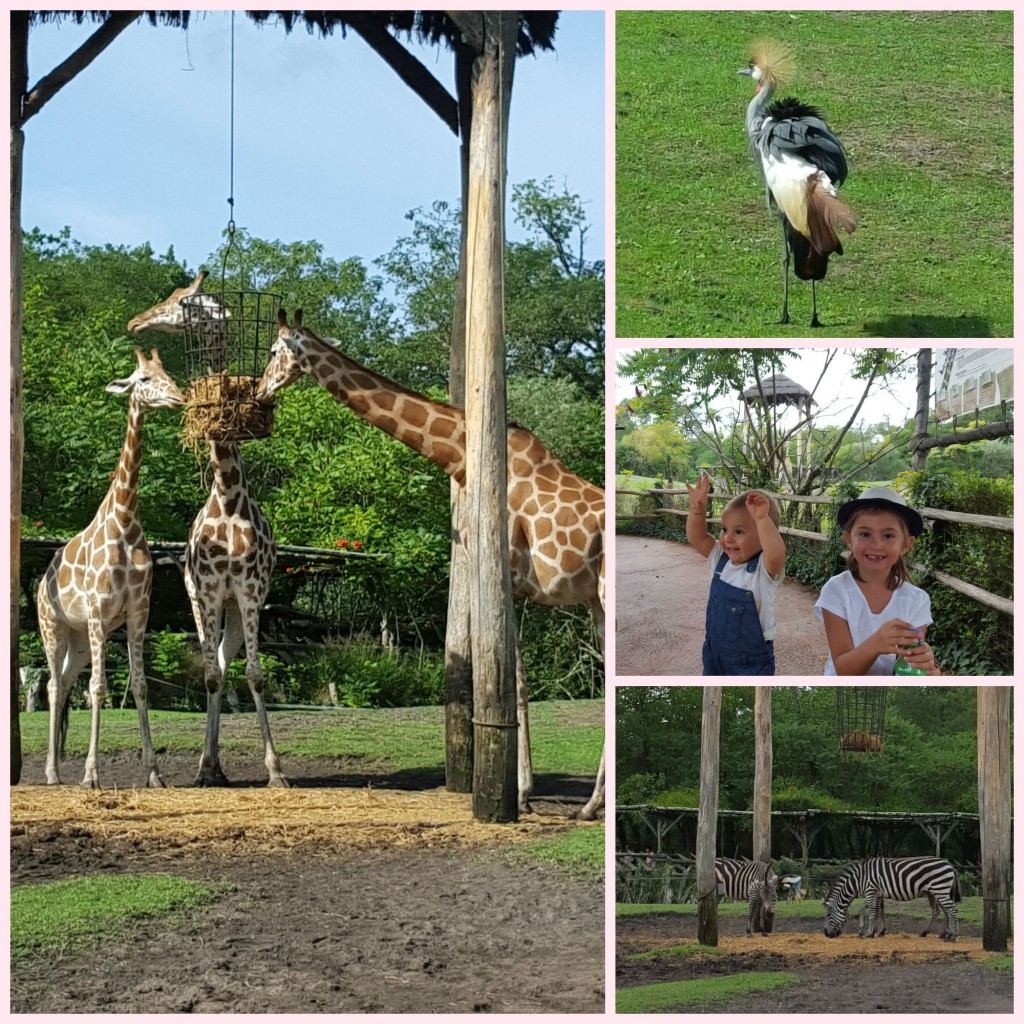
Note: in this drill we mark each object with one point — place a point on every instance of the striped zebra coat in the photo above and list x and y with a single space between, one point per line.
895 878
753 881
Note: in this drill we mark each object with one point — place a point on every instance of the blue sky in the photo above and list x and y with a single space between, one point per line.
329 144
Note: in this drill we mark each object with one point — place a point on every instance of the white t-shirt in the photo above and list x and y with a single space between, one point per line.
843 597
758 582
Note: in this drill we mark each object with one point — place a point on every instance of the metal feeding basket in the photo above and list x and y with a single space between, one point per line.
227 338
860 715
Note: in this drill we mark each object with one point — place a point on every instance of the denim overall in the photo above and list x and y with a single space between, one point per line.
734 643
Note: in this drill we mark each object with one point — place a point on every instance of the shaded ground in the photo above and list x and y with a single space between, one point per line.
661 593
346 898
897 973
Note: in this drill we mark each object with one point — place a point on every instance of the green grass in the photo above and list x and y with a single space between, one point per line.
395 738
578 852
728 908
922 102
669 995
685 951
57 917
999 963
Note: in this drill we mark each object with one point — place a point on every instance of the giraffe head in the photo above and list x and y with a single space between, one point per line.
283 367
169 316
150 384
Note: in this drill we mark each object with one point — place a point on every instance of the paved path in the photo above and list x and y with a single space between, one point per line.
661 593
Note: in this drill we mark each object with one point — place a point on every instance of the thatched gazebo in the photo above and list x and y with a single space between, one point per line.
778 389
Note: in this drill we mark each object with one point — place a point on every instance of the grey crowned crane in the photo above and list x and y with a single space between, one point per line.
802 162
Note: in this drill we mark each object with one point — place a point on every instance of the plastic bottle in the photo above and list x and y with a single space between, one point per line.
902 667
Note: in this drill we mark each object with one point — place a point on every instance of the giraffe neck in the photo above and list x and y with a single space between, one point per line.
434 429
122 496
229 481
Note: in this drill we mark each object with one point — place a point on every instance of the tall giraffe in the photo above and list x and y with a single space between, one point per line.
230 555
555 518
101 580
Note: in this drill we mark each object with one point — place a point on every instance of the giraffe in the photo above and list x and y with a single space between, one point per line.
230 554
101 580
555 518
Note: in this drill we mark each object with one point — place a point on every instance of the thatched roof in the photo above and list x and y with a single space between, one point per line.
778 389
536 28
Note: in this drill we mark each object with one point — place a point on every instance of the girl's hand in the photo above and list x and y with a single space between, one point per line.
922 656
758 506
893 636
699 494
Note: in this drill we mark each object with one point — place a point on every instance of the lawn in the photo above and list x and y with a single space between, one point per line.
922 102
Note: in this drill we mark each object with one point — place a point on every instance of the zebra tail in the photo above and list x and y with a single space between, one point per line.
955 893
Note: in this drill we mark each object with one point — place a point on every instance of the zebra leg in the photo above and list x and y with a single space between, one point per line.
933 903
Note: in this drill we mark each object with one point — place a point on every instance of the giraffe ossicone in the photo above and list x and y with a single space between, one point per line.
556 519
100 580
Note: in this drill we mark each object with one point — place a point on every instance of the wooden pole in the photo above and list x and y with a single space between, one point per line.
994 813
924 389
762 773
458 650
707 818
19 84
495 731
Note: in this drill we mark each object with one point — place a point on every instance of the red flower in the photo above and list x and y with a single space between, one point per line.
289 569
37 522
357 544
342 543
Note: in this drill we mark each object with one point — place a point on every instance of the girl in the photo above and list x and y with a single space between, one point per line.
746 565
872 612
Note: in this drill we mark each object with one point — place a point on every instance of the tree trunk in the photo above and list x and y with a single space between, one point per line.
495 730
924 388
458 647
707 818
762 773
994 812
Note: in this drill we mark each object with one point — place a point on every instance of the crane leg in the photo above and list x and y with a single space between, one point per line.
784 319
815 322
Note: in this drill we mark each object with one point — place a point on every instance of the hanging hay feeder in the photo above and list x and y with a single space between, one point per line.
227 338
860 716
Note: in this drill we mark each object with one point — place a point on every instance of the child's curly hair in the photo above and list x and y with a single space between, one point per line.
900 572
740 501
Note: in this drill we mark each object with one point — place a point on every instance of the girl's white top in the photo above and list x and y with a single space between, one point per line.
758 582
844 598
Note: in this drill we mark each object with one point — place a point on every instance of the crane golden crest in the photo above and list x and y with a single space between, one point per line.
775 60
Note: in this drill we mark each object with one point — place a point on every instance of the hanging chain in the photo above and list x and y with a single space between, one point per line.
231 167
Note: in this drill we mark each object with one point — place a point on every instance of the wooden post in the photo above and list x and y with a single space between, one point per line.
19 85
924 388
495 731
994 813
762 773
458 648
707 818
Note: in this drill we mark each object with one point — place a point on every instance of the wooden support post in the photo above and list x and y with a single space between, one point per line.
458 647
707 818
994 813
495 731
762 773
924 390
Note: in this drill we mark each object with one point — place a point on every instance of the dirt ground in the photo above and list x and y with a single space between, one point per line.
661 593
897 973
354 893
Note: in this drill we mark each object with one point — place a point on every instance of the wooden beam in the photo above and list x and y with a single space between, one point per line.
995 812
762 773
49 85
986 432
408 68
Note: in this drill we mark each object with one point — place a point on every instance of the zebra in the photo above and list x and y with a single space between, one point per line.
895 878
753 881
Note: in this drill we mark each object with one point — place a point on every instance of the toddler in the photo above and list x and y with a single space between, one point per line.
746 563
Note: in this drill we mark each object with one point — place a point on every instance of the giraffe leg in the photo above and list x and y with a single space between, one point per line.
63 654
208 621
596 801
254 677
525 762
136 630
97 692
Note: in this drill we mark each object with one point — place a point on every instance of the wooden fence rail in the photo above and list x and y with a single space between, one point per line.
1001 523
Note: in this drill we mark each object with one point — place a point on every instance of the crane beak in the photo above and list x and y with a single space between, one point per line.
749 72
